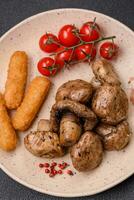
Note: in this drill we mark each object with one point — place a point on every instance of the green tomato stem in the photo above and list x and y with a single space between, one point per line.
83 42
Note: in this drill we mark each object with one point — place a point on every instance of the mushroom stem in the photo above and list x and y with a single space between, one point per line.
70 129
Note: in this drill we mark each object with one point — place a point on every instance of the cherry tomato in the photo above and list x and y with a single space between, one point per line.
85 52
48 43
46 66
108 50
90 31
65 57
67 35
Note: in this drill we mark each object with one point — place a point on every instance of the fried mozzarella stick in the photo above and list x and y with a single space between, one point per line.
31 103
16 80
8 138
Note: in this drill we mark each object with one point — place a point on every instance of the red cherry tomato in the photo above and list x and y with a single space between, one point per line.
48 43
65 57
108 50
90 31
85 52
46 66
67 36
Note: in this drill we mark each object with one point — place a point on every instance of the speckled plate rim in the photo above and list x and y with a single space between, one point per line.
19 180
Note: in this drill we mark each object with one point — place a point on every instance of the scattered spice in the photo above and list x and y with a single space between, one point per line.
55 168
59 165
51 175
59 171
47 171
62 166
54 172
70 172
51 167
53 164
66 164
41 165
46 165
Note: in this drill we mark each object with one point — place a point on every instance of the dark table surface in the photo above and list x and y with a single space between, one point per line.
14 11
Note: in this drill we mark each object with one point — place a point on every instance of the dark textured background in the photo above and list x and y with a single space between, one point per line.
14 11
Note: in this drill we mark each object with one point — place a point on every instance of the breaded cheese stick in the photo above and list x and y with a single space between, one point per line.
8 138
31 103
16 79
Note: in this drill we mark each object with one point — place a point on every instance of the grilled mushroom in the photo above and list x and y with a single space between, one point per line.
70 128
104 72
80 110
43 144
87 154
114 137
75 90
110 104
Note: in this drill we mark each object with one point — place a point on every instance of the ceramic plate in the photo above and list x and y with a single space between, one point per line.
23 166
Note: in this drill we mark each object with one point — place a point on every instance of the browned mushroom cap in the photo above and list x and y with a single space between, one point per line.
43 144
110 104
114 137
87 153
75 90
105 73
78 109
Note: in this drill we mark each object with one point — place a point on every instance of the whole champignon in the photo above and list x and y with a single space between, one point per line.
80 110
75 90
43 144
114 137
110 104
87 154
104 72
70 129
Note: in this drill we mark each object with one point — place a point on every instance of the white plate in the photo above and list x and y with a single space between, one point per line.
23 166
